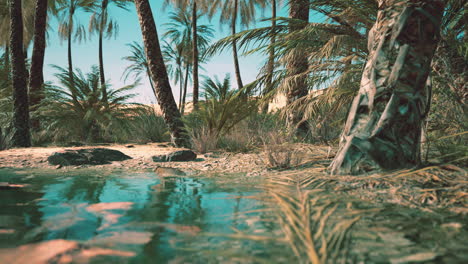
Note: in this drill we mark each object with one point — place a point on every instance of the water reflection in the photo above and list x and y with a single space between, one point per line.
159 220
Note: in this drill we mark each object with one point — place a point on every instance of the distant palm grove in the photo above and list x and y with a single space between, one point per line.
384 81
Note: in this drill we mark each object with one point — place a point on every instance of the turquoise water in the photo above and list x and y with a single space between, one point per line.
140 217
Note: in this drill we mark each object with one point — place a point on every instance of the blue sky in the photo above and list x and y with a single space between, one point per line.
85 54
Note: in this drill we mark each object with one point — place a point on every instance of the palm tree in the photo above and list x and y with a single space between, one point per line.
21 135
384 124
174 56
159 75
230 11
67 25
224 107
102 24
180 34
36 77
139 64
271 59
77 111
297 64
28 10
195 6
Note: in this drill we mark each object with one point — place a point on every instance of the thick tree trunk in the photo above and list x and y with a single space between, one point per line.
297 67
36 77
383 129
196 83
271 58
159 76
234 46
21 135
102 77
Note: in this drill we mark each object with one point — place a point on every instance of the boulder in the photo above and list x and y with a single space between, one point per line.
94 156
180 155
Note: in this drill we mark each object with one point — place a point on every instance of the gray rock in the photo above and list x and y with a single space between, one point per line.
95 156
180 155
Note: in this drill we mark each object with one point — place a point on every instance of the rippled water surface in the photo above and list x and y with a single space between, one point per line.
103 217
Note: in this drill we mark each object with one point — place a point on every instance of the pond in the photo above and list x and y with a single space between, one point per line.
112 217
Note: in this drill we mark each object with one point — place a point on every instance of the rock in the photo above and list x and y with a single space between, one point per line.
180 155
168 171
95 156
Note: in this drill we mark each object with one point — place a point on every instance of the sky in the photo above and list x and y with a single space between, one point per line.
85 54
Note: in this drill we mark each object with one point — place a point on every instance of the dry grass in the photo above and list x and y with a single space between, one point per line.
319 214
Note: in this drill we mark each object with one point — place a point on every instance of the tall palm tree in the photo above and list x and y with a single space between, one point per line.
105 27
36 76
180 35
69 28
384 124
174 56
195 6
21 135
159 75
270 67
297 64
231 10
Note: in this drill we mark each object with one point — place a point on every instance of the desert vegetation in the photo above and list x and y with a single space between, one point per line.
375 89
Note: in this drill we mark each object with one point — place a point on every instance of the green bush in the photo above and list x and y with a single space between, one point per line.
77 112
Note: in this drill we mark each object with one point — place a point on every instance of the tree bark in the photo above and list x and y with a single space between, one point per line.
159 75
234 46
69 51
297 66
384 125
196 83
21 134
182 112
36 77
181 86
271 58
7 60
102 77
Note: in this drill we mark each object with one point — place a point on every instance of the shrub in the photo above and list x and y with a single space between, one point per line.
78 112
148 126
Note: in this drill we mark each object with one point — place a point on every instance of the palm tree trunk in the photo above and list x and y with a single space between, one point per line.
21 135
384 124
159 75
70 62
181 86
195 54
185 88
102 77
234 46
297 67
271 58
7 60
36 77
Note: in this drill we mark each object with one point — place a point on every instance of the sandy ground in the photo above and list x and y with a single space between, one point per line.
141 159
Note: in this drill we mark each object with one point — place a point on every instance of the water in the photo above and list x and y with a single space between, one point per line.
103 217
